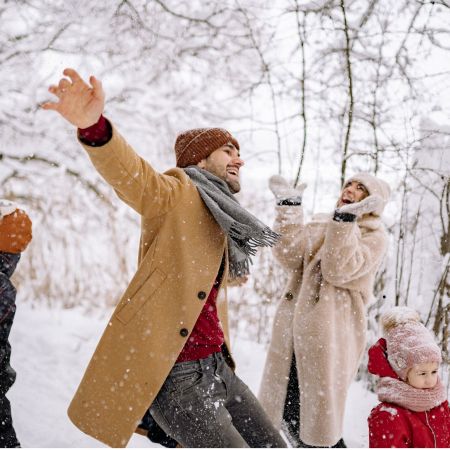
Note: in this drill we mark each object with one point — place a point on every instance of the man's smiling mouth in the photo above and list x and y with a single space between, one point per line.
233 171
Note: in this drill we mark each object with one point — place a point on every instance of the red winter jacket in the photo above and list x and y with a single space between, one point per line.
393 426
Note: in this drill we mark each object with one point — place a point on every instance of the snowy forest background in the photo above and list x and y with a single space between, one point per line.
313 90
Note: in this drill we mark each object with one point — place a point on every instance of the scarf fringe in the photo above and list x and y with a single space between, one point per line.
239 269
241 234
246 233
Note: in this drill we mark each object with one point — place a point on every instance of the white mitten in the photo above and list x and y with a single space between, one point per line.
7 207
286 195
366 206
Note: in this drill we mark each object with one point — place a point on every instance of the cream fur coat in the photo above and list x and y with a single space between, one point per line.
322 317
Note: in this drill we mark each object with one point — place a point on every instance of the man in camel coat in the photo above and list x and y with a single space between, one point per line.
166 346
319 329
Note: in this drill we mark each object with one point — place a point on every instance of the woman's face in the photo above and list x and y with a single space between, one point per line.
423 376
353 192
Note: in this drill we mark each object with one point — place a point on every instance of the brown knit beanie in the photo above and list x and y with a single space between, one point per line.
15 232
194 145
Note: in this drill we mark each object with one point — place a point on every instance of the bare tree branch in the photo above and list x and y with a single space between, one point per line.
350 92
301 37
71 172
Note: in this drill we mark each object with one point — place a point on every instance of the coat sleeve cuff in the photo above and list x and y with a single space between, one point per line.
96 135
292 201
343 217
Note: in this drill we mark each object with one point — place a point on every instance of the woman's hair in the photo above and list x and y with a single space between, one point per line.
398 316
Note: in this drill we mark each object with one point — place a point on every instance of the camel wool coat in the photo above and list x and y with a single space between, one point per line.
181 249
322 318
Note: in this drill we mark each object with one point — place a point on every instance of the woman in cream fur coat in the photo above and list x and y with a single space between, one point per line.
319 330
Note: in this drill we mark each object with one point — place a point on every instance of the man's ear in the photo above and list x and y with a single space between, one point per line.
202 163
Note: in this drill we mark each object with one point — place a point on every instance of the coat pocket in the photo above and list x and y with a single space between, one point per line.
135 303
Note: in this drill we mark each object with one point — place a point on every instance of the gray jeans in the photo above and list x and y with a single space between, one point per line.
204 404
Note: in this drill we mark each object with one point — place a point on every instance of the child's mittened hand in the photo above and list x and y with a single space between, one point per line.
7 207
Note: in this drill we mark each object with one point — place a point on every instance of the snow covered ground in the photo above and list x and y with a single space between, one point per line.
51 348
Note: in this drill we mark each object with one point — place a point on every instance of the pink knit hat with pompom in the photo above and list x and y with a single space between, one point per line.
408 341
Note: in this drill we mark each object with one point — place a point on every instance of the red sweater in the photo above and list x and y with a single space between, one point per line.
392 426
207 336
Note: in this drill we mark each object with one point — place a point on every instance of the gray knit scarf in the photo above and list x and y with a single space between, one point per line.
245 232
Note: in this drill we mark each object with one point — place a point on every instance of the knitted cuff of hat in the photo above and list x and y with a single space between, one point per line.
402 394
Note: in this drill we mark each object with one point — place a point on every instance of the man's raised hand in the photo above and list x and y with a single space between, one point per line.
79 103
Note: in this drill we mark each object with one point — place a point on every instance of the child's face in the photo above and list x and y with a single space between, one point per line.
423 376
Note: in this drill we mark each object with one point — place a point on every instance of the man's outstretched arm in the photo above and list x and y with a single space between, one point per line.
79 103
134 180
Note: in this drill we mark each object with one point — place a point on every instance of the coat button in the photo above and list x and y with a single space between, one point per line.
201 295
289 296
184 332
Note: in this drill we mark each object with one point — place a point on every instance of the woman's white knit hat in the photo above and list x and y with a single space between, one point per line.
375 186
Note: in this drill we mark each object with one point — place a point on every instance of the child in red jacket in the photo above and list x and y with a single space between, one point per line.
414 410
